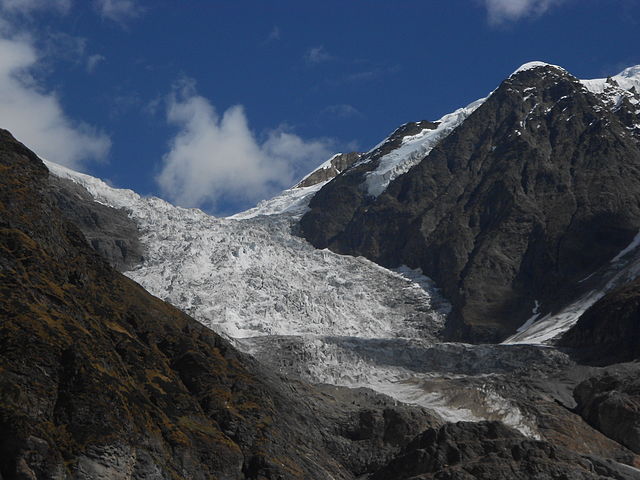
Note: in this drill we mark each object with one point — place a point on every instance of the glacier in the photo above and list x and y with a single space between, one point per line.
330 318
314 314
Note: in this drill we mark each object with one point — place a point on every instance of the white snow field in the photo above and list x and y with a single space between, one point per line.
625 85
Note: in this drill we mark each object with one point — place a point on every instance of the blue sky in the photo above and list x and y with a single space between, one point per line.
218 104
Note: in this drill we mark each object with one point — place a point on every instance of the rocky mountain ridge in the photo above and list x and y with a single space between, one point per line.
532 193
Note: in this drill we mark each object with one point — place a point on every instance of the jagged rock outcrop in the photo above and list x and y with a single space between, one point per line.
333 167
610 402
98 379
609 331
533 192
492 451
109 231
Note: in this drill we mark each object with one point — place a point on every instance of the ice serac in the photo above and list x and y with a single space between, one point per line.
254 277
534 191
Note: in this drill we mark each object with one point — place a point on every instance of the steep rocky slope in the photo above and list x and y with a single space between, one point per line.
491 451
109 231
330 169
609 332
610 401
534 191
98 379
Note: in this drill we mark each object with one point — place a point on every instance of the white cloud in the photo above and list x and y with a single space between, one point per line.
216 162
93 61
500 11
317 55
28 6
36 117
118 10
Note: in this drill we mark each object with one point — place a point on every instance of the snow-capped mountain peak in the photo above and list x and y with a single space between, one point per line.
613 90
631 73
535 64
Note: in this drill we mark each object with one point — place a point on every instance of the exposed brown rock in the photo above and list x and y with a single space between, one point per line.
338 164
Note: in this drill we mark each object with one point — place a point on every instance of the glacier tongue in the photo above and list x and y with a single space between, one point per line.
311 313
253 277
323 317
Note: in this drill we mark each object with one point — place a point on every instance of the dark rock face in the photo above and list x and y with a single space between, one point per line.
611 403
367 431
609 331
536 190
108 230
491 451
338 164
98 379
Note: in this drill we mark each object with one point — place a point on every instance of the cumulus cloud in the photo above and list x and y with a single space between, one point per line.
119 11
501 11
36 116
28 6
216 162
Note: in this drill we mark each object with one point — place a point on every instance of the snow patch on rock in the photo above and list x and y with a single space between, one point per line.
615 89
293 201
413 149
535 64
